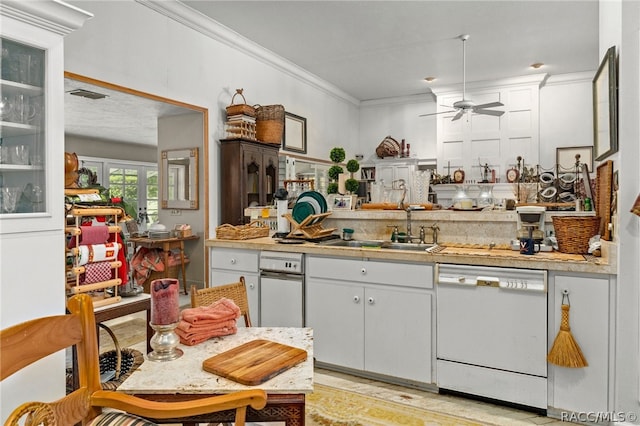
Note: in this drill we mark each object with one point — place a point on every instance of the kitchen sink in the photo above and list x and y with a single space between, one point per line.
377 244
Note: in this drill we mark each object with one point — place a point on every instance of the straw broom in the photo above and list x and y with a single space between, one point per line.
565 351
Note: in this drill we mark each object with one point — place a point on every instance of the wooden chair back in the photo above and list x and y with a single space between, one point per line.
235 291
25 343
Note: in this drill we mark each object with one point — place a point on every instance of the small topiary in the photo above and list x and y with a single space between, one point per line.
353 166
334 171
332 188
337 155
352 185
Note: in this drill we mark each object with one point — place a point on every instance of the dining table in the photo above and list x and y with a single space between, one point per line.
185 379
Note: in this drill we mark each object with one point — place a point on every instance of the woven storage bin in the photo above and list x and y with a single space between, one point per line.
255 229
237 109
123 361
573 232
270 123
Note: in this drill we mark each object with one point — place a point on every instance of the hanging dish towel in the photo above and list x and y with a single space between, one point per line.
97 272
97 253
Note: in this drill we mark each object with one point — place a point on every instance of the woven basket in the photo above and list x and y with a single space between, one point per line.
389 147
255 229
123 361
573 232
270 123
238 109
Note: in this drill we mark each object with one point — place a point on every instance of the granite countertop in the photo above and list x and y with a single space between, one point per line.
185 374
455 253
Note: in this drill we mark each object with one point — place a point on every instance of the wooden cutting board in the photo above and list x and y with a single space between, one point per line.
254 362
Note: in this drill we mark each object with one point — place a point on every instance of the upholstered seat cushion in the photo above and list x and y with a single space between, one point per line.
117 418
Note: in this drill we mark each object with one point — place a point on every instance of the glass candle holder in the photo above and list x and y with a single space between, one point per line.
165 315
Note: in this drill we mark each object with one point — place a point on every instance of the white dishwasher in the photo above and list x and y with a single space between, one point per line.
281 289
492 332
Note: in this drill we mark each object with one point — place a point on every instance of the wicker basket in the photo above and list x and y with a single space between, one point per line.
255 229
389 147
238 109
122 361
270 123
573 232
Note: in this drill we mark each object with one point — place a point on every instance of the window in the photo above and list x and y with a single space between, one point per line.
136 182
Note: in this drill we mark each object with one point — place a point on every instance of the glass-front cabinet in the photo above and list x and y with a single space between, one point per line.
23 136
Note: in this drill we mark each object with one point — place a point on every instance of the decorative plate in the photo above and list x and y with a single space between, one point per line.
512 175
302 210
458 176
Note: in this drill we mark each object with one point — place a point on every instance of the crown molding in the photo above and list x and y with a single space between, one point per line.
53 15
538 79
185 15
569 78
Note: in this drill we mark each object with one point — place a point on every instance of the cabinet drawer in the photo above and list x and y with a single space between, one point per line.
373 272
234 260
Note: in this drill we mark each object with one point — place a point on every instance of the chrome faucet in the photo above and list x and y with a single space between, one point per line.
410 236
435 228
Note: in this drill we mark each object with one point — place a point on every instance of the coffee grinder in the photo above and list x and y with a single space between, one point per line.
530 224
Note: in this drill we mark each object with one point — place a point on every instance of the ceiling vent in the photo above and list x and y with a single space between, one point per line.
87 94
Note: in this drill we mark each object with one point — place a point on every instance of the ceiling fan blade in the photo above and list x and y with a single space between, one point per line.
489 105
488 112
435 113
458 115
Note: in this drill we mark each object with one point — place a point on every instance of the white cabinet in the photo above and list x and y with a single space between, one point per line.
391 170
582 389
371 316
33 31
228 265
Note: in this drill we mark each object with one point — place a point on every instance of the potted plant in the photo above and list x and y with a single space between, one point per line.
337 156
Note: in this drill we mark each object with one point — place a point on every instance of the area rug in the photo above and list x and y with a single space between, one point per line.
328 406
128 334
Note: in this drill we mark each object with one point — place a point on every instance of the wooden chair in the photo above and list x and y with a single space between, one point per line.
26 343
235 291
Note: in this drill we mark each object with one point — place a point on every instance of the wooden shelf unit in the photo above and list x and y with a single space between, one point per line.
74 271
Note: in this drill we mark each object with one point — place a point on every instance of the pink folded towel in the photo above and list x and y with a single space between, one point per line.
221 310
204 326
191 339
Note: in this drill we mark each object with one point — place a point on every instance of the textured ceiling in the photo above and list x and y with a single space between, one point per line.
382 49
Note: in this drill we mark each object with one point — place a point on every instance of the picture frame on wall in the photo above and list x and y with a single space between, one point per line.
295 133
605 107
566 157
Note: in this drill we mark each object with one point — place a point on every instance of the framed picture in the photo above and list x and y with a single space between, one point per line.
566 157
344 202
295 133
605 107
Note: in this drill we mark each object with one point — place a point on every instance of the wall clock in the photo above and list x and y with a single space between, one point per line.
512 175
458 176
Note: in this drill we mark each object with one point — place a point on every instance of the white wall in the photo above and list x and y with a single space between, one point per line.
566 115
400 119
620 26
128 44
565 119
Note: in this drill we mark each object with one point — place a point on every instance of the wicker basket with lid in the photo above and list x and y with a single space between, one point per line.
270 123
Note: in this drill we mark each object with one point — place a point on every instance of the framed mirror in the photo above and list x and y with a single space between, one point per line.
179 179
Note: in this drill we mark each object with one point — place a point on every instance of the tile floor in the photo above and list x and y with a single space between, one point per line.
479 411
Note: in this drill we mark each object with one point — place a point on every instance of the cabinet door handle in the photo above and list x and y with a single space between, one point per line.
356 299
252 286
233 261
371 300
363 271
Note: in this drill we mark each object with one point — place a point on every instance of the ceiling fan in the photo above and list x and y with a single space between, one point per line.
467 105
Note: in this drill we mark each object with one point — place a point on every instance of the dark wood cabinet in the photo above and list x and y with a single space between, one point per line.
249 177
